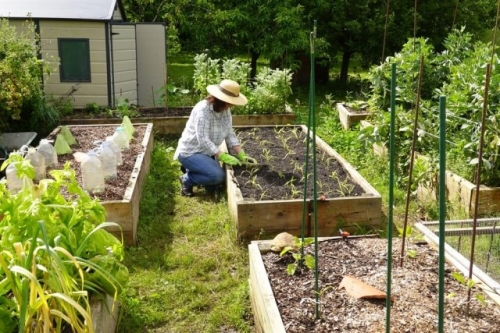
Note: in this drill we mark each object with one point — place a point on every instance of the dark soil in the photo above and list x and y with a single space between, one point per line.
414 288
89 137
141 112
282 176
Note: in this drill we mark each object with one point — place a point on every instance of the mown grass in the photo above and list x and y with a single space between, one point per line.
188 272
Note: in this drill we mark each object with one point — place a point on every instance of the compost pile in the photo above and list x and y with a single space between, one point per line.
283 151
89 137
414 288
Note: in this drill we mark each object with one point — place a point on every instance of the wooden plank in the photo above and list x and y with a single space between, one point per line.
492 221
266 313
271 217
468 231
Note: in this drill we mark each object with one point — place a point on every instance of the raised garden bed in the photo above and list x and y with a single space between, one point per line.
460 190
267 199
348 116
173 120
284 303
122 195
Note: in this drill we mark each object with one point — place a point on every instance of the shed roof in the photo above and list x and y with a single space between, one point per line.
58 9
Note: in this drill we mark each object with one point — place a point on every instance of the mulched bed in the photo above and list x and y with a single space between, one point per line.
89 137
142 112
282 176
414 288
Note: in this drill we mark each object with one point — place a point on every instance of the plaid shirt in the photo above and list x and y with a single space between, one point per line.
205 130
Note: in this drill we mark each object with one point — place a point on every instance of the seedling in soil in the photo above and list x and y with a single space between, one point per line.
469 284
411 253
254 183
300 259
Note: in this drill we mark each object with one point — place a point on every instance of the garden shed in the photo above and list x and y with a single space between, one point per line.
97 56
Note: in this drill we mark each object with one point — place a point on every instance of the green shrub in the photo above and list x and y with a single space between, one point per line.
20 72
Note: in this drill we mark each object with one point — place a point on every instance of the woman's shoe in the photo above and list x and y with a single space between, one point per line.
186 190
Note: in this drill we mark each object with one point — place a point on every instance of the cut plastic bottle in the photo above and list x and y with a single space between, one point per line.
14 183
116 149
38 162
48 152
120 137
108 159
92 174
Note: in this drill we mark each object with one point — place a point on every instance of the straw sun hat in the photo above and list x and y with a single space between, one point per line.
228 91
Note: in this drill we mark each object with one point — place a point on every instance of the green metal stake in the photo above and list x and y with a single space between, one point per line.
311 123
388 302
315 190
442 207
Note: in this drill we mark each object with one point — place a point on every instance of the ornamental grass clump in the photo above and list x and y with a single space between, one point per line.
54 254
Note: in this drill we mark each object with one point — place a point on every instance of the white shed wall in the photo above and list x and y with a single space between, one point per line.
151 63
86 92
124 63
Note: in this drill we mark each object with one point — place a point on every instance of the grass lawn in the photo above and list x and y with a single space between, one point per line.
188 273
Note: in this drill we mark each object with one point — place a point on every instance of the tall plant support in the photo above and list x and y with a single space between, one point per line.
412 158
478 177
385 29
442 208
390 214
311 133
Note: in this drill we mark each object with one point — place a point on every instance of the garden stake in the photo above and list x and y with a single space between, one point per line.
442 208
412 158
311 124
391 199
478 179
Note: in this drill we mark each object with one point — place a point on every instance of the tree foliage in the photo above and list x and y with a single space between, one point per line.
280 29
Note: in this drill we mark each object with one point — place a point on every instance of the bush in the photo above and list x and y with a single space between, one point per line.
20 72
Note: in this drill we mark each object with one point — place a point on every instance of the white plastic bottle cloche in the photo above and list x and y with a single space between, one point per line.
108 160
38 162
120 137
48 152
92 173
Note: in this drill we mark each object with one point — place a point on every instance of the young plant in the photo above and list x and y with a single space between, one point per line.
297 253
469 284
253 182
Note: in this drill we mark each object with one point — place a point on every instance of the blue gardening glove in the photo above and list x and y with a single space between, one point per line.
245 158
229 159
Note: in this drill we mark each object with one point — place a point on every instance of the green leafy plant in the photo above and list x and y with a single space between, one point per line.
298 256
469 284
54 252
124 108
268 93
